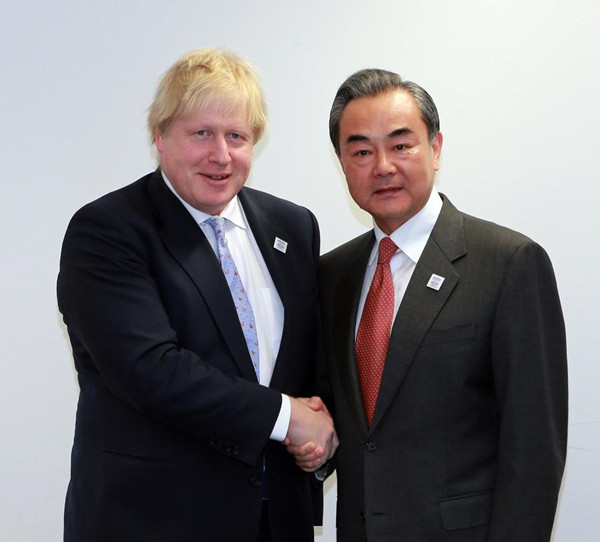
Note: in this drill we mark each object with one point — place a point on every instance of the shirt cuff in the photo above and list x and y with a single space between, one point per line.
282 423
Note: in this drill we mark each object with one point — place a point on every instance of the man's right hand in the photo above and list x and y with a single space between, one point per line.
311 435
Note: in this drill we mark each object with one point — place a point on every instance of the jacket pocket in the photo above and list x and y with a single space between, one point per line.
136 459
464 511
449 335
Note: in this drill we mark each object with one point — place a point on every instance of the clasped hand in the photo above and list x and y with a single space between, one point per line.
311 437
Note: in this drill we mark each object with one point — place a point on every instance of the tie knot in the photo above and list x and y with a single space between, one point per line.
216 223
387 248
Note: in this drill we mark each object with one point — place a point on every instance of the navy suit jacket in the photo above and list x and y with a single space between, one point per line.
172 428
468 439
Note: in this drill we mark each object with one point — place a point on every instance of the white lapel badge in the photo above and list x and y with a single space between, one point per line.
280 245
435 282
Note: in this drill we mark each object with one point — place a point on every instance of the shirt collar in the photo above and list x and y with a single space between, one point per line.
232 211
412 236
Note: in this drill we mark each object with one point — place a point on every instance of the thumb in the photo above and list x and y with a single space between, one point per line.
315 403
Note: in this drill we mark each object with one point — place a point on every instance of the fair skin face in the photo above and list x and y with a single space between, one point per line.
207 156
387 158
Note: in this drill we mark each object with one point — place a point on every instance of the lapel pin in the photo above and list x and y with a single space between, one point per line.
435 282
280 245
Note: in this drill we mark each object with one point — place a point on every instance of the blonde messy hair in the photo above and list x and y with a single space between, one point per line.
204 77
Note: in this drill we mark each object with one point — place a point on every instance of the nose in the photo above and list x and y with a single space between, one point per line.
383 165
219 152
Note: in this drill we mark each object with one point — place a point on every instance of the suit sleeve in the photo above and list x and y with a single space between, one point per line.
123 339
530 370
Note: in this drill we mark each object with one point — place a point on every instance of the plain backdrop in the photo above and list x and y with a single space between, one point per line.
517 85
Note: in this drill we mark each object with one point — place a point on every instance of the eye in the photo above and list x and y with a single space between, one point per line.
401 147
234 135
361 153
201 133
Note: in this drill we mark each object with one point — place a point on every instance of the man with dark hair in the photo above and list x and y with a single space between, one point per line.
191 306
445 345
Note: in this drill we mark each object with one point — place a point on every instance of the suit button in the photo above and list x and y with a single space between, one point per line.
255 481
211 441
371 446
236 450
362 517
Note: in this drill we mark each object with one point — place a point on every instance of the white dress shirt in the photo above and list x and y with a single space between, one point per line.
410 238
263 296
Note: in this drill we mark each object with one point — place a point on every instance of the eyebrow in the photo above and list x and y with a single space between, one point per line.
399 132
394 133
356 137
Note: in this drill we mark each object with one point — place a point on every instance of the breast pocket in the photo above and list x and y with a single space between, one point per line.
450 335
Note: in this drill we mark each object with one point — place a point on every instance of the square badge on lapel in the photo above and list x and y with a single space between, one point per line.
280 245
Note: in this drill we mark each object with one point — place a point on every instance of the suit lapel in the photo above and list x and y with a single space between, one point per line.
421 305
346 302
188 245
265 227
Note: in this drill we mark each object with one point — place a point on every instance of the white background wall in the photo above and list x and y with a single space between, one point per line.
517 85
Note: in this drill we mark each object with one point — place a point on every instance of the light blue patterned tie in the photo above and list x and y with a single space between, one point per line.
238 293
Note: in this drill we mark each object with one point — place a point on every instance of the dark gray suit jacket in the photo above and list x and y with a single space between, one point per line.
468 439
172 428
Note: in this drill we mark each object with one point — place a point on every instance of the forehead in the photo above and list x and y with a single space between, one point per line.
220 107
381 114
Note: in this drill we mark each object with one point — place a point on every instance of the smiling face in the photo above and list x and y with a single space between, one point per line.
207 156
387 158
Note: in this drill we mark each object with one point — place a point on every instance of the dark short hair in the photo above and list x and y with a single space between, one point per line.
374 81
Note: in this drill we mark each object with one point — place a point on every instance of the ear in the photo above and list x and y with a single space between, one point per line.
436 147
158 140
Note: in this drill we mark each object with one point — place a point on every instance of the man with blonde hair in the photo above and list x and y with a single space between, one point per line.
190 303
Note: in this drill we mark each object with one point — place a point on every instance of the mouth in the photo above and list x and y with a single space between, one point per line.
222 177
388 191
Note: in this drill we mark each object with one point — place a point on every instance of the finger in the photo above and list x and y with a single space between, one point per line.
310 466
316 455
336 443
309 469
309 460
302 449
333 447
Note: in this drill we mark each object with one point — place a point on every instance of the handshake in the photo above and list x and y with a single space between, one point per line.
311 436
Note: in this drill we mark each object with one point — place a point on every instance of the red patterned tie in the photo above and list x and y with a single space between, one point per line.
374 329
